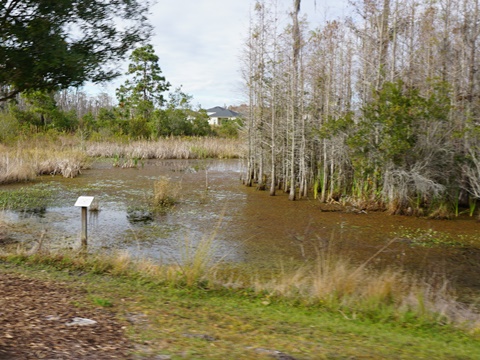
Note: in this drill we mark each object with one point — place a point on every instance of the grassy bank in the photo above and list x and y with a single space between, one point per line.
331 309
192 322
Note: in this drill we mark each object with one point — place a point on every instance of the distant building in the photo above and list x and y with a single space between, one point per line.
218 115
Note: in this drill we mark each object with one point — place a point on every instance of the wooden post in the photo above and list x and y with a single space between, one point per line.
84 202
83 237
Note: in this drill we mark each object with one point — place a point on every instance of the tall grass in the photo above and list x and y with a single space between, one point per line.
14 167
339 285
170 148
165 193
24 162
67 155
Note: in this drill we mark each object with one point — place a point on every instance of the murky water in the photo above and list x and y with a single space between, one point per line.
246 225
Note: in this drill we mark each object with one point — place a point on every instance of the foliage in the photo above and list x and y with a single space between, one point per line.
179 118
172 122
399 144
372 113
229 128
8 127
141 94
39 52
41 111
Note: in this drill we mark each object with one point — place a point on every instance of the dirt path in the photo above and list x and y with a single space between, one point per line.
36 323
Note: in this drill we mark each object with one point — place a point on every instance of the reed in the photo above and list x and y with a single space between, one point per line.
67 156
380 295
169 148
165 193
15 168
24 162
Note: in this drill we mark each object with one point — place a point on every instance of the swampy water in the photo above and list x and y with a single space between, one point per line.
245 225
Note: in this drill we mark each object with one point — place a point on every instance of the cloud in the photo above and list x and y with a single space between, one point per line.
200 43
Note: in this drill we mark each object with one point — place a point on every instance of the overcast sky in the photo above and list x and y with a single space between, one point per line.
199 44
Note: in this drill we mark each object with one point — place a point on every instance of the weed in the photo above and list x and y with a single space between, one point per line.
165 194
102 302
200 152
196 261
23 162
116 160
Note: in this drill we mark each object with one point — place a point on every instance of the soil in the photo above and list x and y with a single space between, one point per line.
35 323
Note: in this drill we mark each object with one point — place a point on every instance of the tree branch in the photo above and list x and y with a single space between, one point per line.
9 96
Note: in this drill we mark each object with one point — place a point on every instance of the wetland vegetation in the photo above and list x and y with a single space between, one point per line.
356 119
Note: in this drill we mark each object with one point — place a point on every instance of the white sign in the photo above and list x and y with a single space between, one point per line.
84 201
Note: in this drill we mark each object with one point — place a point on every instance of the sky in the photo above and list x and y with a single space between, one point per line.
200 42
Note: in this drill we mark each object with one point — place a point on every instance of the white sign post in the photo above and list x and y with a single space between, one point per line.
84 202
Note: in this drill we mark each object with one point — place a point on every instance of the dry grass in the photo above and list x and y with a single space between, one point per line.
25 162
66 156
170 148
165 193
67 163
340 285
3 230
15 168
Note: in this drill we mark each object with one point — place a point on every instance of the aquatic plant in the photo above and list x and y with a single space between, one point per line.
169 148
425 237
165 193
25 199
139 214
195 262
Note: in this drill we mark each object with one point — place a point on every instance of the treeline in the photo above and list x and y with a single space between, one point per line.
140 112
379 109
97 118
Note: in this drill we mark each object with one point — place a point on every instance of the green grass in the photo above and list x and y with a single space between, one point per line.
196 323
26 199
